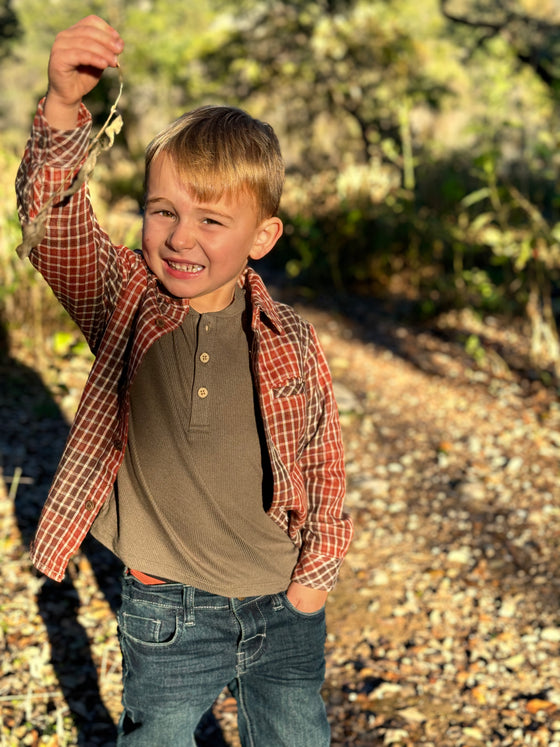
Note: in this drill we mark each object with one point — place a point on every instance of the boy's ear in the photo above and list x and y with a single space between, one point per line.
268 234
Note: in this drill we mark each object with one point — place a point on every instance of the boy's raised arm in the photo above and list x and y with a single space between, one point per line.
78 58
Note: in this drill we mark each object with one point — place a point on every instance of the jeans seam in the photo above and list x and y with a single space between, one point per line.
245 660
241 705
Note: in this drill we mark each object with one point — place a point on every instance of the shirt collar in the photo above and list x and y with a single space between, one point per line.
261 299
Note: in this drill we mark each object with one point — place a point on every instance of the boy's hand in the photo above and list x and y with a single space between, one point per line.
78 58
306 599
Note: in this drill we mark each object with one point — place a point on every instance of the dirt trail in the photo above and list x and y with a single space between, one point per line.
443 629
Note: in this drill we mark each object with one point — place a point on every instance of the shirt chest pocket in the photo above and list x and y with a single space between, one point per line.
289 389
287 418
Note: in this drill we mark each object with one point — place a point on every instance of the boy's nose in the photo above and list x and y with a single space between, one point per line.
181 237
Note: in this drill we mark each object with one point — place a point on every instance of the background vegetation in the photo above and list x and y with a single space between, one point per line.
421 139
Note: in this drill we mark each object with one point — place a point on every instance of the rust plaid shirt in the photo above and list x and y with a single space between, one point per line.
120 308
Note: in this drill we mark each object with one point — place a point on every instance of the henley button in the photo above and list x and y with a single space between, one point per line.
202 392
90 505
160 322
204 357
118 444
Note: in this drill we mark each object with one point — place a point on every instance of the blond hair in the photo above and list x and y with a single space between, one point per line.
223 151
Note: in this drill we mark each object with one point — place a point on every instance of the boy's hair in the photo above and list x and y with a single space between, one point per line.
221 151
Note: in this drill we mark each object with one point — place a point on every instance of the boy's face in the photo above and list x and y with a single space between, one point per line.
198 250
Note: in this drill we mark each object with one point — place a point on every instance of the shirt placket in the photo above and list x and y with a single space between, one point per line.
202 371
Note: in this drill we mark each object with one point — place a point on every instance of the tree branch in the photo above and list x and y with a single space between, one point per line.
529 37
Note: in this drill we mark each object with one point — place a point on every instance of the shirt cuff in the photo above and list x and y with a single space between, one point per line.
317 571
63 148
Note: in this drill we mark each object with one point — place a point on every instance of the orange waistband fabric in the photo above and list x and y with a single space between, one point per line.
144 578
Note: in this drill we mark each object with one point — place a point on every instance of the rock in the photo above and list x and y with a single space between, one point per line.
551 634
412 714
346 400
394 736
462 555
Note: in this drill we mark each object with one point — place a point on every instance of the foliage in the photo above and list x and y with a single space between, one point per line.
9 28
420 138
519 236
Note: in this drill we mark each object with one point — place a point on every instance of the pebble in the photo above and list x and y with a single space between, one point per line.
346 400
394 736
551 635
462 555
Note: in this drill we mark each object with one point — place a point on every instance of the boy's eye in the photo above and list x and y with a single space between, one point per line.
211 222
155 210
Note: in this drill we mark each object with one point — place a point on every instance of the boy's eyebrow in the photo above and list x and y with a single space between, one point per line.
202 208
157 199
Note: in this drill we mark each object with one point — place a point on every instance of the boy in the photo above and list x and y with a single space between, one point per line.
206 451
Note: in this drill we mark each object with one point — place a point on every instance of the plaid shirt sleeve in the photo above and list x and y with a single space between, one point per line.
304 440
101 286
327 530
75 256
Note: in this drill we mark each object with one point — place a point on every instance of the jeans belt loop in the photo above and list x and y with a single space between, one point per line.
188 605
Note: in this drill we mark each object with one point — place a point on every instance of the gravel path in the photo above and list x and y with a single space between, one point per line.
444 625
443 629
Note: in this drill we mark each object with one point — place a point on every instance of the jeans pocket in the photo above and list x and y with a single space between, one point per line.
300 613
155 630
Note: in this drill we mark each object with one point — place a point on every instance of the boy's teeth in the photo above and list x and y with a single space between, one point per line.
184 268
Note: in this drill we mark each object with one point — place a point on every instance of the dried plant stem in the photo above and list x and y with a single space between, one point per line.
18 472
34 231
31 696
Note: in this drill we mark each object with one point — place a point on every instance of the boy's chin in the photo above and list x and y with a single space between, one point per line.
172 289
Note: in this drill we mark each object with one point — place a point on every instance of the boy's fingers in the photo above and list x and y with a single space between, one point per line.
82 47
86 54
89 42
78 58
95 23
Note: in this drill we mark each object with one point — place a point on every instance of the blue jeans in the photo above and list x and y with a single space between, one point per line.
182 646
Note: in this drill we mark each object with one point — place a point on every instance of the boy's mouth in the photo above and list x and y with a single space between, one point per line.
184 267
